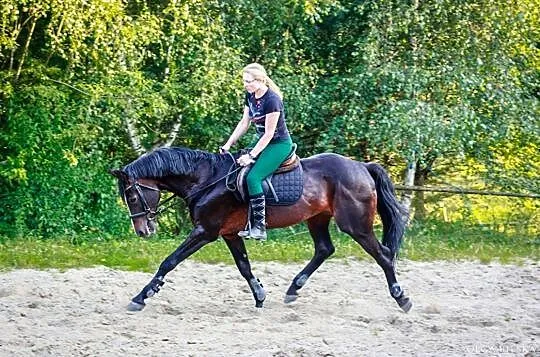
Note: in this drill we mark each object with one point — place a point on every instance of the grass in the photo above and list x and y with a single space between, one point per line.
146 255
423 242
459 241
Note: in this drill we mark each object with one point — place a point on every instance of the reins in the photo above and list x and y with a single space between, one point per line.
229 173
163 207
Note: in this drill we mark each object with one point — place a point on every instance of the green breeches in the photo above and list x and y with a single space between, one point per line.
267 162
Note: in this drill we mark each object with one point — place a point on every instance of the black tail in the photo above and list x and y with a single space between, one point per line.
393 214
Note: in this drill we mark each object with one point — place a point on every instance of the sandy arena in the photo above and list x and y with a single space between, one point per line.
460 309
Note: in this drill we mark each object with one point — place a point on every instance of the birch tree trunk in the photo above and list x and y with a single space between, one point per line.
174 132
410 172
172 135
26 47
132 132
406 198
419 199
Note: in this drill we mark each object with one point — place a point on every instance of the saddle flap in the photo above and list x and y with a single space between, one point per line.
280 189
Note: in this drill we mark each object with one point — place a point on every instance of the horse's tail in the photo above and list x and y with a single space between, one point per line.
393 214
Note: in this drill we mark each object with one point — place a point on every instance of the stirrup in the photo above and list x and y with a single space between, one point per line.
253 233
247 229
258 234
244 234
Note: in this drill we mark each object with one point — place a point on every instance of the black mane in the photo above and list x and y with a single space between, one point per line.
171 161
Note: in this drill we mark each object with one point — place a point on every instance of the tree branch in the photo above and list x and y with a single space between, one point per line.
69 85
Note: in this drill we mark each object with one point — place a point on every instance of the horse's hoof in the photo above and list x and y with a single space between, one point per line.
259 304
135 306
290 298
405 304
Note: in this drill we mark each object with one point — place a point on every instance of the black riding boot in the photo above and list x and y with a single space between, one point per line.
256 226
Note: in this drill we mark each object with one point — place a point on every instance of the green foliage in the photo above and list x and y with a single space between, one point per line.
428 80
55 178
392 81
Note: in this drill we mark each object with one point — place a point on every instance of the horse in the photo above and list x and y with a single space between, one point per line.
350 191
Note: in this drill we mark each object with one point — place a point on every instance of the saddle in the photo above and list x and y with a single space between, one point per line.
283 187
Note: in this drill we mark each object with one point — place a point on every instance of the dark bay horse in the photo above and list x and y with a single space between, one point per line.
334 186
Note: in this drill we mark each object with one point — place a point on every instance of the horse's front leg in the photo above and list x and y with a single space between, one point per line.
238 250
196 239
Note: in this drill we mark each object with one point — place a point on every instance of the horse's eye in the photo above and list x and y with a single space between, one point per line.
132 199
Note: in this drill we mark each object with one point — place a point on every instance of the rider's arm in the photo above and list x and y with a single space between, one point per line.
269 130
241 129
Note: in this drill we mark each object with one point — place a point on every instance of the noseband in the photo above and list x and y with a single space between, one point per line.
148 211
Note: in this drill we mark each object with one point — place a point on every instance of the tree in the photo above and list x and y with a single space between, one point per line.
428 80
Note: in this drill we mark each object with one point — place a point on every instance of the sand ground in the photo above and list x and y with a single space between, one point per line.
460 309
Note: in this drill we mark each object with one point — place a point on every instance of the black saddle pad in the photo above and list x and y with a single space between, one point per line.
285 188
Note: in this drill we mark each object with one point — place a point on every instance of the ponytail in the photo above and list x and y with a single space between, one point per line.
274 87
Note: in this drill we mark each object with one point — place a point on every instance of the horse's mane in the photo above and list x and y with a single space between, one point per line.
171 161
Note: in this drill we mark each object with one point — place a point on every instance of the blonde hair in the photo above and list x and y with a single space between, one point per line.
259 73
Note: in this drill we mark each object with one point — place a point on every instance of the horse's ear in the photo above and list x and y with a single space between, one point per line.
119 174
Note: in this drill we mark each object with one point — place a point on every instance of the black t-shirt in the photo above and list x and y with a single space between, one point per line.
270 102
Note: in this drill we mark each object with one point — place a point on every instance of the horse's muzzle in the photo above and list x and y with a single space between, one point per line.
145 228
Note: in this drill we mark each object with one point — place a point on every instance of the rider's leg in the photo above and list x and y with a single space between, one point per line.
267 162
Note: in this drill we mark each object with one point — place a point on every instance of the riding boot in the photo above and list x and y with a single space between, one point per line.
256 226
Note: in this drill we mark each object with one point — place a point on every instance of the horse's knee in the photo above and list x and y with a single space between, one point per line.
387 252
326 250
209 233
168 265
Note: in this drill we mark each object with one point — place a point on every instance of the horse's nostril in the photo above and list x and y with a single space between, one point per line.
140 233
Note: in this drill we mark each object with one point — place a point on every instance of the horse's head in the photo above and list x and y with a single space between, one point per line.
142 198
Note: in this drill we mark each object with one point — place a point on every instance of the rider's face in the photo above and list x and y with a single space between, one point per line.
250 83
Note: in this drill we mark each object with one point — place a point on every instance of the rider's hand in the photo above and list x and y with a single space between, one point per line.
245 160
224 149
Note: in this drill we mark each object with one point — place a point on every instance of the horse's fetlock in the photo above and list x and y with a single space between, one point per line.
396 291
301 280
154 286
257 288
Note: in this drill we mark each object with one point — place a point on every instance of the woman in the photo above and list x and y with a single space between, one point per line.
263 107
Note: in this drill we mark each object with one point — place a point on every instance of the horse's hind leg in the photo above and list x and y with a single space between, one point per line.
353 218
238 251
318 228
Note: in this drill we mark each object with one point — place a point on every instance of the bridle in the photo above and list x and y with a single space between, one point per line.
148 211
152 214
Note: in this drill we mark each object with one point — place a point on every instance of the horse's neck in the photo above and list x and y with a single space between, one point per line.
189 184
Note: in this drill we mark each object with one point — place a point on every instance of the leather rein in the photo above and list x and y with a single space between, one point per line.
152 214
